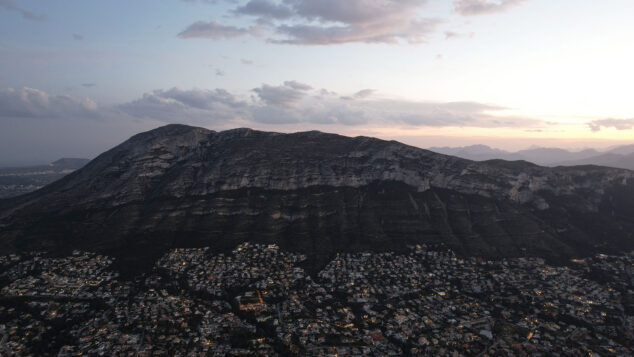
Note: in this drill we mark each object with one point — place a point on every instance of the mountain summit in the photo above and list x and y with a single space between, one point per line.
317 193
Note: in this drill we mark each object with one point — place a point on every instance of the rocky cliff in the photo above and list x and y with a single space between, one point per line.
317 193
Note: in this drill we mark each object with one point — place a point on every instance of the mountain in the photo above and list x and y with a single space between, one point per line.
609 159
16 181
623 150
317 193
477 153
552 156
619 157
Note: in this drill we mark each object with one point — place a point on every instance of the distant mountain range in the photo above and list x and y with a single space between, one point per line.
619 157
16 181
319 194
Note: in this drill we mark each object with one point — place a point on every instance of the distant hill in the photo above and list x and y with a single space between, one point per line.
619 157
16 181
609 159
623 150
478 153
319 194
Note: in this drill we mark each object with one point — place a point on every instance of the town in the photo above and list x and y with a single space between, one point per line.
259 300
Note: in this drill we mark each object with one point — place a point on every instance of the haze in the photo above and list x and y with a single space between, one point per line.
78 77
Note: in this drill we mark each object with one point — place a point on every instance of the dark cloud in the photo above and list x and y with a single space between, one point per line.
618 124
213 30
29 15
484 7
220 73
34 103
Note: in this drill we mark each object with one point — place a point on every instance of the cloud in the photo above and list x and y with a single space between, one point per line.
89 85
294 102
326 22
449 114
364 93
29 15
484 7
297 85
265 9
413 32
34 103
220 73
618 124
78 37
291 102
450 35
286 95
176 105
246 61
213 2
213 30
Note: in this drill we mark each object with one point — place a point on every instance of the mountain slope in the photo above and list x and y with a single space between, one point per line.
316 193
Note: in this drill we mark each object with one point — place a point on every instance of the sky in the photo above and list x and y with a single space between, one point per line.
78 77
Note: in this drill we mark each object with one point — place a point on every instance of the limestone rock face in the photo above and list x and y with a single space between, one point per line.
317 193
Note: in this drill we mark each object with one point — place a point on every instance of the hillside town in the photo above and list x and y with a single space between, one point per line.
259 300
